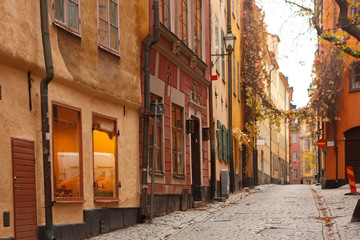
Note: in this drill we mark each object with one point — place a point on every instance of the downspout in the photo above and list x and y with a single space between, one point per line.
336 151
145 162
232 172
45 118
270 125
212 131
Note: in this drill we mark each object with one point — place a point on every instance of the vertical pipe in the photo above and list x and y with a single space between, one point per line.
232 172
145 162
153 162
336 150
45 118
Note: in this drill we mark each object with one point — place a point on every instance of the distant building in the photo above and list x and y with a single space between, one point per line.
295 163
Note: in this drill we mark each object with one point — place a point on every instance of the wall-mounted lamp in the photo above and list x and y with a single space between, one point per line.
190 125
206 133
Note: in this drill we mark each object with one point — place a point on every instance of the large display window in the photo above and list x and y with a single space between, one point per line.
105 161
67 153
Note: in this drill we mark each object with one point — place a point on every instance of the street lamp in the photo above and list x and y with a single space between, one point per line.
229 40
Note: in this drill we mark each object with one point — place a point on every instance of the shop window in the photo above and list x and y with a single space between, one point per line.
183 23
197 27
67 153
108 25
158 154
164 9
354 76
105 160
66 14
177 140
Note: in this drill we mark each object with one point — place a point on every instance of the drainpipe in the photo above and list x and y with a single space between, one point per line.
336 151
232 172
145 160
45 118
270 125
212 132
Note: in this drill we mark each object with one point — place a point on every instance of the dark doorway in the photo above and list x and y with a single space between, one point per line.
352 151
25 214
196 161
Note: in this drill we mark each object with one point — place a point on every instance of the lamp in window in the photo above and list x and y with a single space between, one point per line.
229 40
190 125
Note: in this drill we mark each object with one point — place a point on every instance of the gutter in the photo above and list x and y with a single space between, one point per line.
45 118
145 160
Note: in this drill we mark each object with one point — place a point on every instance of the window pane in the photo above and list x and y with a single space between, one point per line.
73 15
103 10
113 14
104 144
59 10
103 32
66 133
114 38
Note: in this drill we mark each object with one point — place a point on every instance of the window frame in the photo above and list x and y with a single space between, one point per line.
109 25
295 176
293 159
197 20
106 199
65 25
161 148
183 23
81 163
178 130
352 68
162 12
294 139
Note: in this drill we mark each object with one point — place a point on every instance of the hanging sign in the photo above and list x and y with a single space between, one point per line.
214 77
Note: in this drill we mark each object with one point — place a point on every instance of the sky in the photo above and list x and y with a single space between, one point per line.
297 44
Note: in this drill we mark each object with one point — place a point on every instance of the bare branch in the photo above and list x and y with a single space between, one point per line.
299 6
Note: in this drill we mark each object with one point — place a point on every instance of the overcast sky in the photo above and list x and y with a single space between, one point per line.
297 44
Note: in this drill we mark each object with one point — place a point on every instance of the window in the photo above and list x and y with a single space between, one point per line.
67 153
108 25
105 160
233 76
307 128
183 21
354 76
295 174
294 137
177 140
232 7
220 139
238 80
66 14
197 27
164 7
295 156
307 167
308 182
237 13
222 58
217 40
158 154
307 144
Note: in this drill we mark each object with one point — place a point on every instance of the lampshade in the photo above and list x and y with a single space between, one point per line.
229 40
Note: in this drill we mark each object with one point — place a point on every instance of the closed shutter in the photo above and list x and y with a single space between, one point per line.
219 138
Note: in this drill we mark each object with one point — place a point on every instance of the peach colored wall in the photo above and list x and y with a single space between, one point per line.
85 77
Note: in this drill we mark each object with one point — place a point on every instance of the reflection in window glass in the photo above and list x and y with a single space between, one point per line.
177 140
108 24
104 143
59 10
66 135
73 15
70 9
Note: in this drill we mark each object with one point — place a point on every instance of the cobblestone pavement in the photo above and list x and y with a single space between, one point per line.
266 212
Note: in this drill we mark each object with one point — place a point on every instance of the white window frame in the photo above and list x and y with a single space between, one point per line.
101 45
65 25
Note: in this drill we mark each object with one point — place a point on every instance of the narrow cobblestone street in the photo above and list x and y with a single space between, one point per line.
266 212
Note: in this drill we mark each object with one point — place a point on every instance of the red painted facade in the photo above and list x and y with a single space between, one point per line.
295 163
176 71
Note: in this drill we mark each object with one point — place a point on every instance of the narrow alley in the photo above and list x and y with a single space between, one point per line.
266 212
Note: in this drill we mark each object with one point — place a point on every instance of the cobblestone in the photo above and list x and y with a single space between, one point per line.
267 212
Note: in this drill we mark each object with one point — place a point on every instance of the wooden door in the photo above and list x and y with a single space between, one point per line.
24 189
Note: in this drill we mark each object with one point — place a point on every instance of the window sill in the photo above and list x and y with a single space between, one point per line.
106 49
66 28
354 90
69 201
178 176
160 174
111 200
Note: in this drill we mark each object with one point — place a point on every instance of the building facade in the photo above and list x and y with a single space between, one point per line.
179 77
295 154
93 100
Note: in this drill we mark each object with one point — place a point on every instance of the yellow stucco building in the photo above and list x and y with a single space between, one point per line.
94 98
